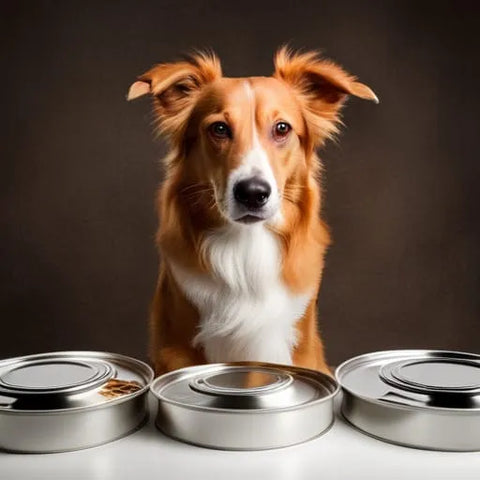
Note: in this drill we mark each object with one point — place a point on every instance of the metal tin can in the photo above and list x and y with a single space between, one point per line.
62 401
244 406
426 399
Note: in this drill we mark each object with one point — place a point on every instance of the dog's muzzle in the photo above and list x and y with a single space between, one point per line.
252 193
251 200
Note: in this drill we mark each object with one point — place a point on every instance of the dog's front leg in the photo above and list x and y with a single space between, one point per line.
309 352
172 327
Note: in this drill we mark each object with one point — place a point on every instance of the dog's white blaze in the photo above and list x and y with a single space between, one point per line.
254 163
246 311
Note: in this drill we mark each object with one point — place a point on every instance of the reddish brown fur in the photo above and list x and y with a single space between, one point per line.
187 95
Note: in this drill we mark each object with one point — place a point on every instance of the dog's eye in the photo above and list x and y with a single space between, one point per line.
220 130
281 130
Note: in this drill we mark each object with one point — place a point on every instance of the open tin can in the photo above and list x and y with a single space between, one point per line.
419 398
62 401
244 406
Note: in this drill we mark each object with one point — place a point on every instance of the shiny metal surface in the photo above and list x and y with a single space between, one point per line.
420 398
52 376
244 406
63 401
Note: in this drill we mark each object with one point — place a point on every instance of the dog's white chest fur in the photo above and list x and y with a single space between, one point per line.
246 311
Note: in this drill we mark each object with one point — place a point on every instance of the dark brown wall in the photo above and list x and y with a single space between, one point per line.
79 167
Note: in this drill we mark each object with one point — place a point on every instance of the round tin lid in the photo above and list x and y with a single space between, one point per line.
55 376
64 380
243 386
424 378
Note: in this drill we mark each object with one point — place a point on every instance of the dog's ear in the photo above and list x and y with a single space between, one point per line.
175 88
322 87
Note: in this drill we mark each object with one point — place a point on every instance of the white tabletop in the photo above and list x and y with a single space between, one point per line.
342 453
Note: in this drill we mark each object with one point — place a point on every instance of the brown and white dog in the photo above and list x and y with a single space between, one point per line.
241 241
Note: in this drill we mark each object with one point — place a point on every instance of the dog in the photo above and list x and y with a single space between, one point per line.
240 236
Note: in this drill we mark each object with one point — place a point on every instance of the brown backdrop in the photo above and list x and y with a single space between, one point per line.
79 167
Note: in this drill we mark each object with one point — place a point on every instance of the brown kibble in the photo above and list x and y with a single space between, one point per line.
116 388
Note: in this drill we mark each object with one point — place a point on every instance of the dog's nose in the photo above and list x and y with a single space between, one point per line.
252 192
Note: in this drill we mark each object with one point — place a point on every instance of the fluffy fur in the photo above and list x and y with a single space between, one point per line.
230 291
246 311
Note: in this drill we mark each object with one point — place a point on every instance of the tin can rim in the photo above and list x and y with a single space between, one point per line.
339 371
333 384
149 376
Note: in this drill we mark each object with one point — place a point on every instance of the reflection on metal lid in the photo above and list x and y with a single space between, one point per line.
63 380
253 382
239 387
425 378
55 376
433 375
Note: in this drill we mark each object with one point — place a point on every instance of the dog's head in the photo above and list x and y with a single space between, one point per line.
248 139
